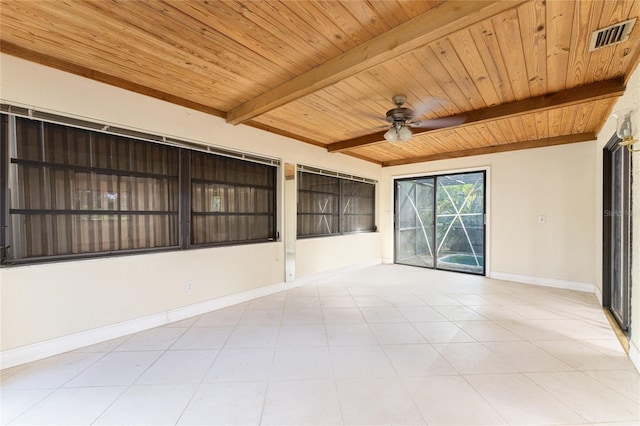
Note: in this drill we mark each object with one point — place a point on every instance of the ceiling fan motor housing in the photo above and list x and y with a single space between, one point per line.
399 114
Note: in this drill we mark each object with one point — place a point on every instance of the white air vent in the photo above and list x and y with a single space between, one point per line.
611 35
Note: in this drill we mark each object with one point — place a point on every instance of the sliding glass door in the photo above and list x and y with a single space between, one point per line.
617 233
440 222
415 222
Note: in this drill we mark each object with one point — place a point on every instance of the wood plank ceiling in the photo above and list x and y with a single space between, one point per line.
324 72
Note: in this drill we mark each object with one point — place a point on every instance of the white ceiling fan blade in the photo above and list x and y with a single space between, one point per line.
438 123
429 105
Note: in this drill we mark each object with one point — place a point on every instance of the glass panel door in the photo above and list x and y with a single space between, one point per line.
415 222
617 224
440 222
460 222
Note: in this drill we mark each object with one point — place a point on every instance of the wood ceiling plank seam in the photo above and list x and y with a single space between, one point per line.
385 80
209 38
264 30
440 77
139 25
627 58
266 128
369 17
466 138
555 122
607 112
568 119
507 130
355 32
360 86
631 54
456 69
391 12
470 58
538 143
533 31
394 83
398 41
375 152
382 80
293 120
506 26
368 108
583 112
425 80
352 121
460 139
559 28
496 132
136 74
530 129
411 7
578 52
264 44
482 134
542 124
106 55
56 63
342 38
599 112
193 56
519 129
331 97
484 36
320 112
306 33
365 158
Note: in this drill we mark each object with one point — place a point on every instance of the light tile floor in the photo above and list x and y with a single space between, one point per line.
382 345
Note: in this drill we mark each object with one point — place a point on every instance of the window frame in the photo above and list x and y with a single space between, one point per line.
183 214
272 205
342 179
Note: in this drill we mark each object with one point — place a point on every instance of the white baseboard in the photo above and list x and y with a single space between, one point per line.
598 294
634 355
40 350
546 282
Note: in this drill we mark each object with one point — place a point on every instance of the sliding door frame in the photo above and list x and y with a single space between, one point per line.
487 210
608 238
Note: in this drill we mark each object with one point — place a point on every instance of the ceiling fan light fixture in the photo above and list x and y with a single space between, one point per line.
391 136
404 134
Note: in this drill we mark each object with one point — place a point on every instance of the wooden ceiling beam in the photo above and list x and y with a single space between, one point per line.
433 25
537 143
577 95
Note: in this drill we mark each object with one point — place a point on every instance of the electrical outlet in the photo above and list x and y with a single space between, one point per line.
188 287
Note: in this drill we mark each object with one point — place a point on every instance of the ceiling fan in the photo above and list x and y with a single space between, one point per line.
402 119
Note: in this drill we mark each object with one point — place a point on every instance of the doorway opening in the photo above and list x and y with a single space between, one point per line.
616 221
440 222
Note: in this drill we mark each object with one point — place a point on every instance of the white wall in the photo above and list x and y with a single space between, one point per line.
557 182
42 302
315 255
